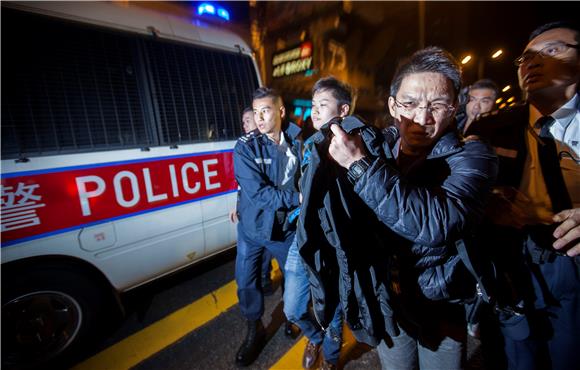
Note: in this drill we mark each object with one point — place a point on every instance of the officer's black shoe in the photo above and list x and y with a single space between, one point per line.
267 287
252 345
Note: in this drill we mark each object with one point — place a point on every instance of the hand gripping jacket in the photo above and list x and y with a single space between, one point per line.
350 239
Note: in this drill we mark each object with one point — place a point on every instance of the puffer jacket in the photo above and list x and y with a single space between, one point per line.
437 203
435 206
366 237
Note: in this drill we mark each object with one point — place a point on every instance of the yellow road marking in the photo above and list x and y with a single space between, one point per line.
145 343
159 335
293 358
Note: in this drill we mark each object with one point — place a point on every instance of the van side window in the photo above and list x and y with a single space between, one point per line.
199 91
68 88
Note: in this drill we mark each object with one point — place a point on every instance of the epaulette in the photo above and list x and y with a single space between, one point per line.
249 136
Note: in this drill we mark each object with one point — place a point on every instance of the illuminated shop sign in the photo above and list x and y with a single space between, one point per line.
295 60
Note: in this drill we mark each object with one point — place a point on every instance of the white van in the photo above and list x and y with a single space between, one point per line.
118 126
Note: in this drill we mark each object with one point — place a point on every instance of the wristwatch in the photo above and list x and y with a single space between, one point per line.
358 168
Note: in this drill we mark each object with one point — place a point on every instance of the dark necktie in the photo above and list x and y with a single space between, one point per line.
550 163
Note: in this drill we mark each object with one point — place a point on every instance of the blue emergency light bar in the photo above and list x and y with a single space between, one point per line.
207 8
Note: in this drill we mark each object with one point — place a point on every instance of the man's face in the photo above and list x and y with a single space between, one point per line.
479 101
268 115
543 73
248 122
420 127
325 107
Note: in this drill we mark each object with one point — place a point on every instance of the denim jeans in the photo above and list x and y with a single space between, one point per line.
296 299
407 353
249 270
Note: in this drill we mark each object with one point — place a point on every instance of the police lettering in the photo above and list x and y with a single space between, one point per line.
126 184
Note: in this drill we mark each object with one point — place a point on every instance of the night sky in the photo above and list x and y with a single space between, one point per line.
462 27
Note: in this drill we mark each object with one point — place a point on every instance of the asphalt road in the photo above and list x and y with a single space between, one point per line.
151 318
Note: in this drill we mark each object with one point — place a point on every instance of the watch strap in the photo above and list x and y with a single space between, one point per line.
358 168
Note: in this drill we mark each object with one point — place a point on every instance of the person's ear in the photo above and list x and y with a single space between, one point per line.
391 104
344 110
282 112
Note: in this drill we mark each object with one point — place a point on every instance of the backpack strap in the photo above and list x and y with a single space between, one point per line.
481 287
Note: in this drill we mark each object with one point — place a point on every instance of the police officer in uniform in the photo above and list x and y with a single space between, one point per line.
266 168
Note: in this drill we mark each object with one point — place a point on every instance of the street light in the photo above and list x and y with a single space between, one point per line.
466 59
506 88
497 54
481 61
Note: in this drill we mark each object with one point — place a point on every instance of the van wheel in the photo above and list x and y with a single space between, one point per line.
47 314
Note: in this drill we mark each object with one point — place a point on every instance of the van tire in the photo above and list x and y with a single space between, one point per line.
47 314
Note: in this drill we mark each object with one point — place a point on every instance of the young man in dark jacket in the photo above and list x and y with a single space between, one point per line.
330 98
535 224
266 169
430 195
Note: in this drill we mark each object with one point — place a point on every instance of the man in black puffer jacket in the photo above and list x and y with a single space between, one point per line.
429 196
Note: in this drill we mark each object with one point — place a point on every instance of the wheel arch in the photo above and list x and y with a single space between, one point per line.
56 262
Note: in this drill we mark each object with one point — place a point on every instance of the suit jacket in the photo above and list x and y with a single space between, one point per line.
515 251
505 131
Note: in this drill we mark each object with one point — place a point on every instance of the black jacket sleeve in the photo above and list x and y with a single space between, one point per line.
432 215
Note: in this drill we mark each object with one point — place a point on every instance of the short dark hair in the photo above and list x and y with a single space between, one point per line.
558 24
247 109
266 92
431 59
339 90
485 83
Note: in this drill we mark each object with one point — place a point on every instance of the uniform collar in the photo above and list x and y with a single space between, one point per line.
288 135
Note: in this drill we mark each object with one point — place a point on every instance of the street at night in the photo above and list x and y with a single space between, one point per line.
411 169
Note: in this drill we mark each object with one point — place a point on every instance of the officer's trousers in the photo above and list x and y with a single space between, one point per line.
248 270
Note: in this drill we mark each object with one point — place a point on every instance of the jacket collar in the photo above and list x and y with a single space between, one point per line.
291 132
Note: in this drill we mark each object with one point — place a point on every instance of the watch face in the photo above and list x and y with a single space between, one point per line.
357 169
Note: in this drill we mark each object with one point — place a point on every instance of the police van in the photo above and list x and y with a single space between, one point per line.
118 128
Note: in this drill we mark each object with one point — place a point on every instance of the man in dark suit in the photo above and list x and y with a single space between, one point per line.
538 201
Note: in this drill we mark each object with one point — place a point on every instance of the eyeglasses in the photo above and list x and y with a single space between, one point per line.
440 110
552 50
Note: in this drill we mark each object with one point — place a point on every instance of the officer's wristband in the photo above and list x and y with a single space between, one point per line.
358 168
